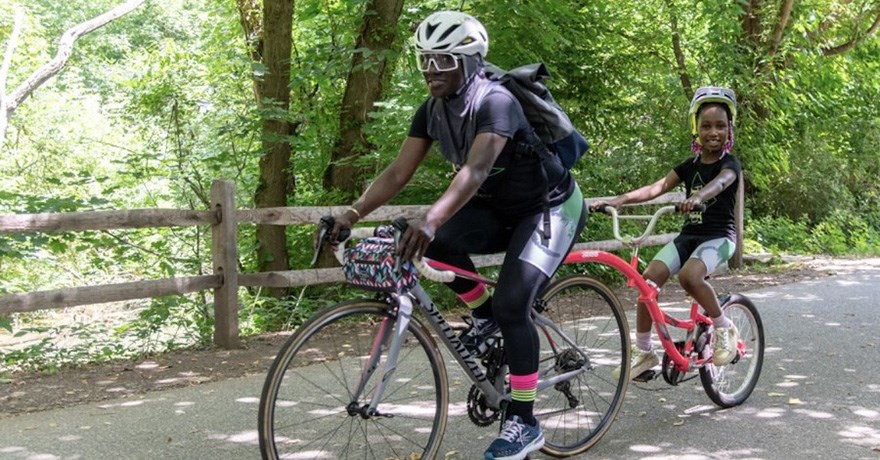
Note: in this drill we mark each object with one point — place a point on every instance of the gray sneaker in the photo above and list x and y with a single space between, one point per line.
641 362
724 349
516 441
480 335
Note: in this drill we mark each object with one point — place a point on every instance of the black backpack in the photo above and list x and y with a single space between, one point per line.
548 119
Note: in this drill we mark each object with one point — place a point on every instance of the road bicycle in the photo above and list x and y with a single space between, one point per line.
367 379
727 386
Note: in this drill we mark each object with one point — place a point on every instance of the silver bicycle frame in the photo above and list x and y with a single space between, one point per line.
494 393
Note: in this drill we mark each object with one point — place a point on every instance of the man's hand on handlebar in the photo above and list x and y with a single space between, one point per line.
415 240
341 229
331 229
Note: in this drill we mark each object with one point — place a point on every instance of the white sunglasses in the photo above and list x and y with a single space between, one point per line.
443 62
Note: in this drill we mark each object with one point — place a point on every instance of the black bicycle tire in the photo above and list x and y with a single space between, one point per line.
315 324
580 281
706 372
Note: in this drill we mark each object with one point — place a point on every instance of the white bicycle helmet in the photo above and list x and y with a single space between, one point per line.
708 94
452 32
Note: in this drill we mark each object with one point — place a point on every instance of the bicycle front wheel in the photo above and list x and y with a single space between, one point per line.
315 401
731 385
592 338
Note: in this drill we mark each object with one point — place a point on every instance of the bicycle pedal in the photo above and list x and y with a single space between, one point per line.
646 376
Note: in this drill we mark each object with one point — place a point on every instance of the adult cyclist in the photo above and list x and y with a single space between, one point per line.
509 194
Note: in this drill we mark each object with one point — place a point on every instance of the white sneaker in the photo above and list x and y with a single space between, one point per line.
641 362
725 345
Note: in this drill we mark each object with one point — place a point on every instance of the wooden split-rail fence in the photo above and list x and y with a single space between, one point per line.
225 281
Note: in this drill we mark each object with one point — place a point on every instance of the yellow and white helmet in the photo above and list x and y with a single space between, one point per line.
709 94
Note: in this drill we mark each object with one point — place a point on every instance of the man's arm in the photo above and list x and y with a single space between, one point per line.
394 177
481 158
387 185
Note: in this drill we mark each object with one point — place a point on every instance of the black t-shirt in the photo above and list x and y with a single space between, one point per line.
718 218
516 186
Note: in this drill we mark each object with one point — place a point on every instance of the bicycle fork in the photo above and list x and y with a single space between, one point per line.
396 326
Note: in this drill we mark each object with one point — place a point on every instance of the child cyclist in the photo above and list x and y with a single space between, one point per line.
707 239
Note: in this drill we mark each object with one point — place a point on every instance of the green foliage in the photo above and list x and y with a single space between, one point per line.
779 234
841 233
153 107
844 233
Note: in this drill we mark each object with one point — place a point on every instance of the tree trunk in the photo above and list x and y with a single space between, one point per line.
681 68
369 69
250 16
276 178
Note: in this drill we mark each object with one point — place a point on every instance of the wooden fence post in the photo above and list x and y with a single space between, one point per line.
225 252
739 217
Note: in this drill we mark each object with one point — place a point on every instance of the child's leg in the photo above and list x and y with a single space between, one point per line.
646 358
658 273
666 263
705 259
693 279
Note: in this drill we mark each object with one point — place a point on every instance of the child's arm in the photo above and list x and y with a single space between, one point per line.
648 192
709 191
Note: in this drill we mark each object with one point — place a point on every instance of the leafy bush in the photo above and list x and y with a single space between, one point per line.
844 233
779 234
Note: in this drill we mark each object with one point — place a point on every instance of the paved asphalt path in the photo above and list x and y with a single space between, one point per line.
818 398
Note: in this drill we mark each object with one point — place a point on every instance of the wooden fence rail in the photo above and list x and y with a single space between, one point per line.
225 280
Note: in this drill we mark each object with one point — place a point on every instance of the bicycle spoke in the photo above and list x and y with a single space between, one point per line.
590 316
732 384
312 406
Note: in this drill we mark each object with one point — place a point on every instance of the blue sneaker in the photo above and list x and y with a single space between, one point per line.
480 335
516 441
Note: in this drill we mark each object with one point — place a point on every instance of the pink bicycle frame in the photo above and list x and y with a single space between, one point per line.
648 296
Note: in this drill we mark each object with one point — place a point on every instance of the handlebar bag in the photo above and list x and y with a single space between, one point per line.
371 264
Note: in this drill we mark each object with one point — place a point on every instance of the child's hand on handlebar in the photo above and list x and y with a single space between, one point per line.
600 205
692 204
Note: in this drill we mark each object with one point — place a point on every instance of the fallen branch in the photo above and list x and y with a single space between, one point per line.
65 47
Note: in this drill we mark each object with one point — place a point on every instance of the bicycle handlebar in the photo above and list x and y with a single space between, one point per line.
441 276
652 221
399 225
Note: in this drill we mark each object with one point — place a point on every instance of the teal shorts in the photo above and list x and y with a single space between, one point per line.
713 252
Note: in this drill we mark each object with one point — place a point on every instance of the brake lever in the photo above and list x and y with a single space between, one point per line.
325 225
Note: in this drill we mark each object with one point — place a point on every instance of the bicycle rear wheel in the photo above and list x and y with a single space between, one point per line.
731 385
577 412
311 408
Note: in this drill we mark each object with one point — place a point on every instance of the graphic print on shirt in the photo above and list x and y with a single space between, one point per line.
697 184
